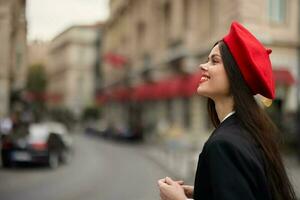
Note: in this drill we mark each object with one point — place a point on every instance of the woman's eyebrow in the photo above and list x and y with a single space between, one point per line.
214 55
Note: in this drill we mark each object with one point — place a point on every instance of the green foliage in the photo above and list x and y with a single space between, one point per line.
91 112
36 79
63 115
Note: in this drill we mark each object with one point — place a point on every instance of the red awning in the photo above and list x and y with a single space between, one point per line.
54 97
121 94
167 89
144 92
103 97
42 96
138 93
115 60
283 76
176 86
190 84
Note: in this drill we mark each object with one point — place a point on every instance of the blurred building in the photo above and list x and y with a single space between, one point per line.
13 30
73 58
38 53
152 49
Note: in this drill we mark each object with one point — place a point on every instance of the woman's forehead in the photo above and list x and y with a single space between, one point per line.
215 50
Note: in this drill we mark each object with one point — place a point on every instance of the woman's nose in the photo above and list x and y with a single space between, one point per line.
203 67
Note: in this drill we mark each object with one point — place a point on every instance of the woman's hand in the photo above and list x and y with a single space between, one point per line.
188 189
171 190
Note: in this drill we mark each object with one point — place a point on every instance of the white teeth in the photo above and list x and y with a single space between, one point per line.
204 78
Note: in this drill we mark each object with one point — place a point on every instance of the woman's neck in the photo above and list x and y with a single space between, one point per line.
223 107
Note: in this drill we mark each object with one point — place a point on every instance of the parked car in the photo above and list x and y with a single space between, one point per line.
43 143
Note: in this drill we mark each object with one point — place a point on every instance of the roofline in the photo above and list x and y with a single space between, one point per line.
87 26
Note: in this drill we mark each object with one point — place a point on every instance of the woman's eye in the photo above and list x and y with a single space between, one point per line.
214 61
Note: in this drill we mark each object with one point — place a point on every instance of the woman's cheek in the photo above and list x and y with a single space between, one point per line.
223 86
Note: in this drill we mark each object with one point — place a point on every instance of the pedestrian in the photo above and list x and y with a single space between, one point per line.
6 125
241 158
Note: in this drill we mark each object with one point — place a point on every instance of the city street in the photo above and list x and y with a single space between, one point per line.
99 170
164 72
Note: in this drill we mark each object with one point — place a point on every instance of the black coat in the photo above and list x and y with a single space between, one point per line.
231 166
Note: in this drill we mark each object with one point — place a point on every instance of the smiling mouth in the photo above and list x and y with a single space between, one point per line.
204 78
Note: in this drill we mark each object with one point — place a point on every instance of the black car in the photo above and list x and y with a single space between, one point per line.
43 143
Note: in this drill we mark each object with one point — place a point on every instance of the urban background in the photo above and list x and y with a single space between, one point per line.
119 95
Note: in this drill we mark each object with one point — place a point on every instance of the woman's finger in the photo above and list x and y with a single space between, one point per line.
162 195
169 181
180 182
162 179
187 187
161 182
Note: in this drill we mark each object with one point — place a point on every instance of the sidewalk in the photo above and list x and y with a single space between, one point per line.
180 160
293 169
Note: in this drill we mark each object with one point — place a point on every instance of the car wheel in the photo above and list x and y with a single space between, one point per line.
65 157
53 160
6 163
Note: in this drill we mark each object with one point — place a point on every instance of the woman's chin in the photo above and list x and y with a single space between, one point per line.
200 92
203 93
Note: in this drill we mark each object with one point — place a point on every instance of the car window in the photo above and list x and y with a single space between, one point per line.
38 132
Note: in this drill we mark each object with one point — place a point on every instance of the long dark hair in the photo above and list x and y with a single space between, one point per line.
255 120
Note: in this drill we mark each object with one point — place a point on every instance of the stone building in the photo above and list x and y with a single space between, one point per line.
13 31
38 53
72 61
161 40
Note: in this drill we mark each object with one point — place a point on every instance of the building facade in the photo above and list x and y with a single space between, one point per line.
161 39
38 53
13 50
72 61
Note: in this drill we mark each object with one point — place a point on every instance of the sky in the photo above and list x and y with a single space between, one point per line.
48 18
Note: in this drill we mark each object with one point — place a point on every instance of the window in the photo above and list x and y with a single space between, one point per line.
146 65
18 59
277 11
167 18
147 61
141 30
170 110
186 11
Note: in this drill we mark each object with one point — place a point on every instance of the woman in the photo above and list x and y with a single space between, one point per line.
241 158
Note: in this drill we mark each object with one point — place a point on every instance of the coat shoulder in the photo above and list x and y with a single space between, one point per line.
232 134
233 139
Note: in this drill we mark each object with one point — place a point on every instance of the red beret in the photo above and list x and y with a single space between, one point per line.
252 59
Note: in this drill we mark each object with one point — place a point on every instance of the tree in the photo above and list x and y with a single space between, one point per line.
36 86
36 79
